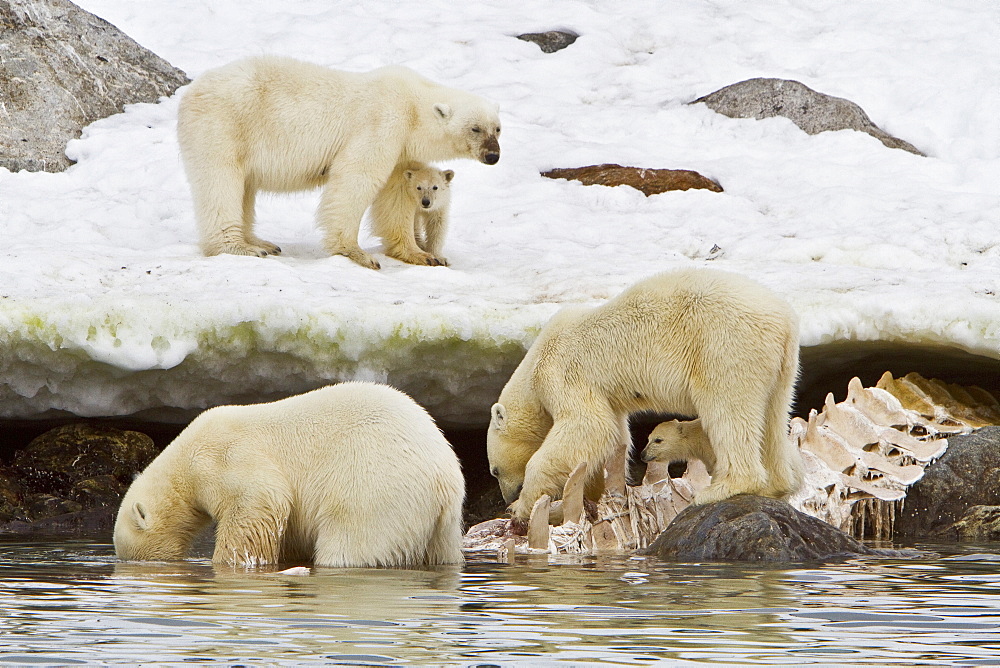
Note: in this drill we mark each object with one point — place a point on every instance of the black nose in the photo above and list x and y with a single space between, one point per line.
491 158
425 202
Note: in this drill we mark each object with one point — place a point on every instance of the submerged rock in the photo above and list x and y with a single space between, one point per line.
62 69
754 528
647 181
812 111
968 475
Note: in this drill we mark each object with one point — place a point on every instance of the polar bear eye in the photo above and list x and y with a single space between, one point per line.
498 131
657 440
420 188
434 187
476 129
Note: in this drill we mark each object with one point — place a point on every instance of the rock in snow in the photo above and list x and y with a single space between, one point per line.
64 68
812 111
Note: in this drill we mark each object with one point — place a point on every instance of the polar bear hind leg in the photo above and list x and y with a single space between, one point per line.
781 455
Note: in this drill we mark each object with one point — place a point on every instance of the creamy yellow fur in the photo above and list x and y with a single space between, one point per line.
281 125
695 342
411 213
355 474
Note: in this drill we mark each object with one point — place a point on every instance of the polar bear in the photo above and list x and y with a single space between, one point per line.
681 440
280 125
355 474
411 213
692 342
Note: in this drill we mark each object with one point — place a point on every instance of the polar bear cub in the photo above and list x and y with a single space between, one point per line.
679 441
355 474
411 213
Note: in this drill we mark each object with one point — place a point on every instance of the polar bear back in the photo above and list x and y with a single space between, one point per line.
662 328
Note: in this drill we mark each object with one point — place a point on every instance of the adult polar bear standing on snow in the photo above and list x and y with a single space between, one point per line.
695 342
281 125
355 474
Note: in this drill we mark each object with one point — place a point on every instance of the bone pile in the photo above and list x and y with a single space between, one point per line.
860 456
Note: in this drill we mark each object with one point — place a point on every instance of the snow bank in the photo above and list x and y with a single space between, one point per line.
107 308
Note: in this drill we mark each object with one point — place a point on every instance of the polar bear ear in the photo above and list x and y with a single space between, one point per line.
498 416
139 511
443 110
408 174
448 175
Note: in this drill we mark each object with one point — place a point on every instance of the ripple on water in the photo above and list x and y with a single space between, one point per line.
68 602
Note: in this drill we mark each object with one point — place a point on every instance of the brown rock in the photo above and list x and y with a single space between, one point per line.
647 181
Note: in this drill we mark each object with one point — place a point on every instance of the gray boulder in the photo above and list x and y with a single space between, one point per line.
812 111
756 529
62 68
551 41
957 493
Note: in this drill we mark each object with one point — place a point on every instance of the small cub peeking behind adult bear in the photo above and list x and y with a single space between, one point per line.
355 474
694 342
281 125
411 213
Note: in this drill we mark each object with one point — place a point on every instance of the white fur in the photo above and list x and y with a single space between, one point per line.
695 342
355 474
411 213
280 125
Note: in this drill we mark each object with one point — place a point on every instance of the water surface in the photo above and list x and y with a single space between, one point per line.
68 601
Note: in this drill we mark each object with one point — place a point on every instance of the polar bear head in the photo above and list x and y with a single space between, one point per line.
472 124
154 523
428 186
514 435
679 441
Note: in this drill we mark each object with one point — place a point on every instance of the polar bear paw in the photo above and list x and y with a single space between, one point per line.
714 492
263 249
359 256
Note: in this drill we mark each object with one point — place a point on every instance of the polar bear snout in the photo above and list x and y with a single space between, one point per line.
511 495
489 153
426 202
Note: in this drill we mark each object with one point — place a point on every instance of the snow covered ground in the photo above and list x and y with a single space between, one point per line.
107 307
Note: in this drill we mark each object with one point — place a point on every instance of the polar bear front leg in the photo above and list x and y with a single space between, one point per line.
435 225
590 438
250 532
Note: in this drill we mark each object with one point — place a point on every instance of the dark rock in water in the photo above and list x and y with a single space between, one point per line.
979 523
78 472
81 522
551 41
62 69
755 528
11 494
61 457
647 181
812 111
967 475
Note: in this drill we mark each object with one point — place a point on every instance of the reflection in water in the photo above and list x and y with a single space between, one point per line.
71 601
